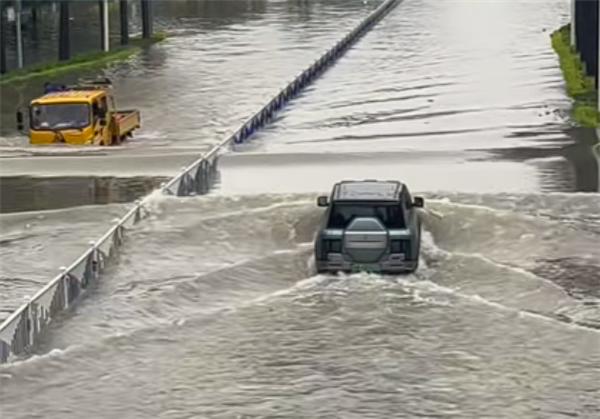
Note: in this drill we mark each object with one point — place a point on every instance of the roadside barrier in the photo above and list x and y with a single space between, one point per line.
23 328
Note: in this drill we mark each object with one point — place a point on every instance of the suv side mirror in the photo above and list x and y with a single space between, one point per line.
418 202
20 125
322 201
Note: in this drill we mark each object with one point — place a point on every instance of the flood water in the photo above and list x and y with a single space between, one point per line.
214 309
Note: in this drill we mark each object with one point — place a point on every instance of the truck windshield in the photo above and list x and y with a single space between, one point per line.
60 116
391 215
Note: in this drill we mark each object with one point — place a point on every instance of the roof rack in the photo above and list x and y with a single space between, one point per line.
92 85
105 81
84 85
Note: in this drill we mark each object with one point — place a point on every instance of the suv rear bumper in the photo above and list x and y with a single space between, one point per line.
386 267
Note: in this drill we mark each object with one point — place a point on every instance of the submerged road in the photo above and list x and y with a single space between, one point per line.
214 310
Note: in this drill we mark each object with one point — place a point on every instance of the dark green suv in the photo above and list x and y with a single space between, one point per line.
371 226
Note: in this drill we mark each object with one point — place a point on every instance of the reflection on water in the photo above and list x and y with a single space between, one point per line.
571 165
39 193
222 61
476 82
40 29
437 88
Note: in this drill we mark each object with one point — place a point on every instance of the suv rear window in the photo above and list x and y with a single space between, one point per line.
391 215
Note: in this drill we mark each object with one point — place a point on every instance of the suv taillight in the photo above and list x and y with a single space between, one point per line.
333 246
399 246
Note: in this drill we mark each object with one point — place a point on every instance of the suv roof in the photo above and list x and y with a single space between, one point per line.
367 190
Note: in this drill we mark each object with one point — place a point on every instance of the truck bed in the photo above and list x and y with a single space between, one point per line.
126 121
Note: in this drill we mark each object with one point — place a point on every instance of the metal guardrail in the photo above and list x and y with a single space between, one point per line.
193 178
21 330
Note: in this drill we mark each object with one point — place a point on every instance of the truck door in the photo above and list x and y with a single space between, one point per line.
108 103
101 131
111 103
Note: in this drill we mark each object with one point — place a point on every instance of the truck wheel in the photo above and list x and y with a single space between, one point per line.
116 140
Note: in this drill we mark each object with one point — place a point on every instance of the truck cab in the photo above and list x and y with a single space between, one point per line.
369 225
79 115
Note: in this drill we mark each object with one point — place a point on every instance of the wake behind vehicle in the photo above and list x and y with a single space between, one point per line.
84 114
369 226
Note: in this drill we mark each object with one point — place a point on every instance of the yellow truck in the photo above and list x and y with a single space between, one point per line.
79 115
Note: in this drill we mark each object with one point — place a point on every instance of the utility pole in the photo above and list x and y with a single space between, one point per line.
19 33
64 33
104 25
573 8
146 19
34 13
34 22
2 42
124 22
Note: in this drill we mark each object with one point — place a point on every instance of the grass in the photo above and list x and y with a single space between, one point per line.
80 62
579 86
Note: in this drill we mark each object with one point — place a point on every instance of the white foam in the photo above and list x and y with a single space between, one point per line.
53 353
432 286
